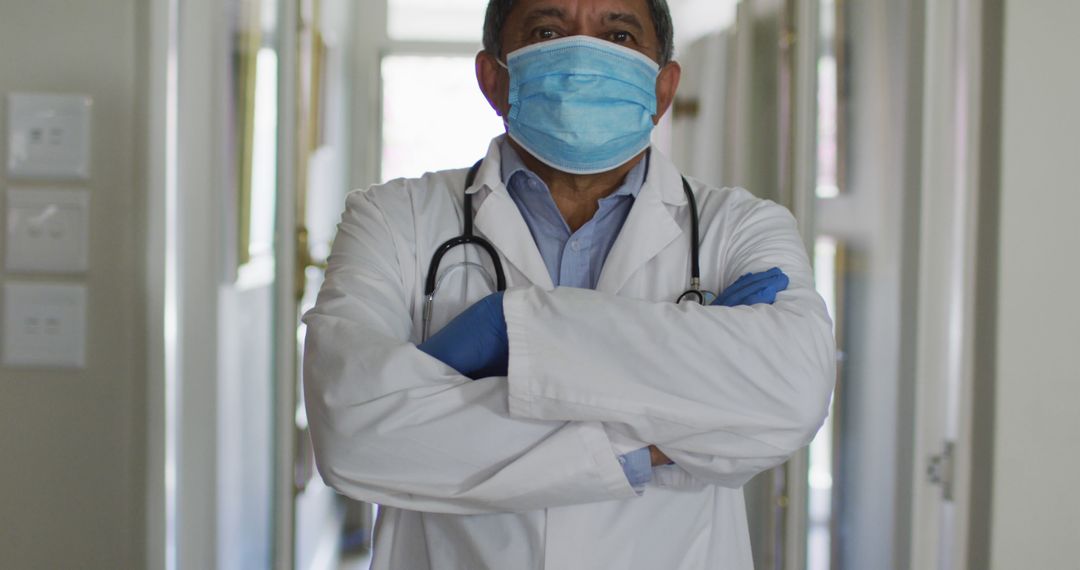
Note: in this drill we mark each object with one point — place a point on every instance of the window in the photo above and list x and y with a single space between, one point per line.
441 20
823 537
831 107
828 273
433 113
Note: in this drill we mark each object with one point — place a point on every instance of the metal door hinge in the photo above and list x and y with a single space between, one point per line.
940 470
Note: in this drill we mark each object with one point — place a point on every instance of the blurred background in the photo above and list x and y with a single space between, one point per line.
174 171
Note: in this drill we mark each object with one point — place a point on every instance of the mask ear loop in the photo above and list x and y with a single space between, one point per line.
505 118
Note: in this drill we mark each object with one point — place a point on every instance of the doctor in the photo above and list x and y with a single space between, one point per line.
582 419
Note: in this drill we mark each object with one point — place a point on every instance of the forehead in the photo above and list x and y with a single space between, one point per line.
579 10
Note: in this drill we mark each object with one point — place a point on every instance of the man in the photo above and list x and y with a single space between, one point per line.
582 419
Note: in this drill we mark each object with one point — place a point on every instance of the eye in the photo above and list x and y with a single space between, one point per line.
620 37
544 34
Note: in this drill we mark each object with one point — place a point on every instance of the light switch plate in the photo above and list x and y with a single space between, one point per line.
49 136
44 325
47 231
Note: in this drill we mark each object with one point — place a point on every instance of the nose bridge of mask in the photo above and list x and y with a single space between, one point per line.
596 45
615 69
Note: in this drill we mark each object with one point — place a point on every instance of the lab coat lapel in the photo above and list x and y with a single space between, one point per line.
499 220
649 228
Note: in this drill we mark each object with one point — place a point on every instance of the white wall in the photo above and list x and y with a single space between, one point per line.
72 450
1037 455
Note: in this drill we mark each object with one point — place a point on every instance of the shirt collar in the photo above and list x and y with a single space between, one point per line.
512 164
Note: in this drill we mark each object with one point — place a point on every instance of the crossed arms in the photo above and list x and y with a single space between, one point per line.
723 392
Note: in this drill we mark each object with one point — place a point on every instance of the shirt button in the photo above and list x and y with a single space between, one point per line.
575 245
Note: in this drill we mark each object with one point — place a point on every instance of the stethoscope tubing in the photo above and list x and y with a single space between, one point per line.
468 237
695 245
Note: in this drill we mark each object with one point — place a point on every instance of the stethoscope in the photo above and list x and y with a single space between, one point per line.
695 292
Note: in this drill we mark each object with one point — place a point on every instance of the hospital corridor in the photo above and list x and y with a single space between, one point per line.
539 284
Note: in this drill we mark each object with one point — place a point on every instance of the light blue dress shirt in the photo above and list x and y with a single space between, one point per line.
575 259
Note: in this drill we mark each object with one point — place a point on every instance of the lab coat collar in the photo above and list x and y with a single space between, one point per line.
490 174
649 227
499 220
665 179
662 176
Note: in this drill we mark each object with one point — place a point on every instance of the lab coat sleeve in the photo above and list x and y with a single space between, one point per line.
392 425
724 392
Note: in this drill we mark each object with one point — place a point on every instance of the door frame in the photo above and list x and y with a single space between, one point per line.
802 22
159 94
948 287
183 75
285 361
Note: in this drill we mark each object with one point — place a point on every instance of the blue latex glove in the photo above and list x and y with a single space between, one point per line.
475 342
754 288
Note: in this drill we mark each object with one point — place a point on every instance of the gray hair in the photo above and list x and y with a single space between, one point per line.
498 10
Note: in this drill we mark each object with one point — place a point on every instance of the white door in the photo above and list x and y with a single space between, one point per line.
949 251
308 514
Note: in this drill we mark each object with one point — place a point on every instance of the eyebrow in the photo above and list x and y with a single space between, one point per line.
624 18
559 14
544 13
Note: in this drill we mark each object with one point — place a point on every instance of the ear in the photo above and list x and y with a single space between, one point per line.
667 83
494 82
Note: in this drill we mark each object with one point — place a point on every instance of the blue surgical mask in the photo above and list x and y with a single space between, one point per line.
580 104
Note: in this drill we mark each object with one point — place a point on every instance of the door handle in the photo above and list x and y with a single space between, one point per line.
303 261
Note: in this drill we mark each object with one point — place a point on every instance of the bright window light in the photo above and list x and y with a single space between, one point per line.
264 155
828 141
447 20
820 475
828 183
434 116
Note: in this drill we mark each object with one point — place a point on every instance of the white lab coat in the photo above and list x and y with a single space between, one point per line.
521 472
